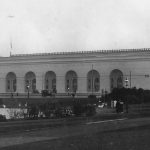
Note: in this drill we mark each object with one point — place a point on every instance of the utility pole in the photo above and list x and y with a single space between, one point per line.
126 103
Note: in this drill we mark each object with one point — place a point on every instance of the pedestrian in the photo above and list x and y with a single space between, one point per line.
115 102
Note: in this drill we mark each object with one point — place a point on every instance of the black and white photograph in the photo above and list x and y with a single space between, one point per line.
74 74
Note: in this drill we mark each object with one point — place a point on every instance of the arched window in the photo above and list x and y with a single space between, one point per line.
30 81
71 81
111 83
116 79
11 82
93 81
50 81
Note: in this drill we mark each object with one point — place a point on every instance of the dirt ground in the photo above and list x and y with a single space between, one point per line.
133 134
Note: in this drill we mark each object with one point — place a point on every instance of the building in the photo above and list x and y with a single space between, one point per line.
80 72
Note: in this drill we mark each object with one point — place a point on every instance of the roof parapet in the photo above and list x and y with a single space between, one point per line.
84 52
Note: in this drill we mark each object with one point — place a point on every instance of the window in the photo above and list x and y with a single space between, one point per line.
11 82
46 84
116 79
8 84
112 83
67 84
34 84
96 84
93 81
74 85
71 81
50 81
89 84
30 80
119 82
54 84
14 84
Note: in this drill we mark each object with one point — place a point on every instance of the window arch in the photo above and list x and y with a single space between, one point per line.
93 81
11 82
71 81
50 81
116 79
30 80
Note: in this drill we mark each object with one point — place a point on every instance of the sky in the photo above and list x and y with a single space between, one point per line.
45 26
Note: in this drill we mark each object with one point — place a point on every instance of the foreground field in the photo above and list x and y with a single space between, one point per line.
135 139
118 134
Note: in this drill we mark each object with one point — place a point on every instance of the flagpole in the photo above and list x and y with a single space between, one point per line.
11 44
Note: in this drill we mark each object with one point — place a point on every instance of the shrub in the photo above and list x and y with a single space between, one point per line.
35 91
33 111
133 99
2 118
87 109
78 109
92 96
134 96
90 110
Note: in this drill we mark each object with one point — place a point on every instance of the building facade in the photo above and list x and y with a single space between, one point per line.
79 72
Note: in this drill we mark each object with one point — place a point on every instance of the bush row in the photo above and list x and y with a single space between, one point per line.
133 95
56 110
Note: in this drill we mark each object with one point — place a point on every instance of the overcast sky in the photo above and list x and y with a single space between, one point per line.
39 26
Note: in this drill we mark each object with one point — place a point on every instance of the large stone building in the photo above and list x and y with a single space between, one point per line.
80 72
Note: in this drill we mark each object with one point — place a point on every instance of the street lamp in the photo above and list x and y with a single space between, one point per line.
68 90
126 102
28 90
126 82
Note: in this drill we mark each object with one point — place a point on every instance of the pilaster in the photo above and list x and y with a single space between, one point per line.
60 84
40 81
